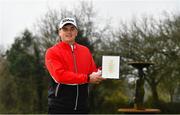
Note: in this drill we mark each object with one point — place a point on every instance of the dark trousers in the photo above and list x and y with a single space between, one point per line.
54 110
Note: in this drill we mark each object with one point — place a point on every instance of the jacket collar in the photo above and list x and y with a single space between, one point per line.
67 46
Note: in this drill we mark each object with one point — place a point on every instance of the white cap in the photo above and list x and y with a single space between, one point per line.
67 21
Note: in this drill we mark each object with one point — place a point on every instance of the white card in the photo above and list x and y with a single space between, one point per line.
110 67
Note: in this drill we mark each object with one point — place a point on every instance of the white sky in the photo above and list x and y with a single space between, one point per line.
16 15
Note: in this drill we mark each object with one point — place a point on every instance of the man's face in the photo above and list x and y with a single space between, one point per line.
68 33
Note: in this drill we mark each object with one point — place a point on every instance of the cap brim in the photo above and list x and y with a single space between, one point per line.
66 24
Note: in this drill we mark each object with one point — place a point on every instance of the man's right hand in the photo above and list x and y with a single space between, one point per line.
96 78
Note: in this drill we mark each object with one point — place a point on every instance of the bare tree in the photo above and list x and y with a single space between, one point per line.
47 25
150 40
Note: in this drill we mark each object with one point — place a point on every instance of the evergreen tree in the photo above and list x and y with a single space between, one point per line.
26 66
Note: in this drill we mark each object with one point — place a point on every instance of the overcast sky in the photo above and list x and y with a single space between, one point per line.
16 15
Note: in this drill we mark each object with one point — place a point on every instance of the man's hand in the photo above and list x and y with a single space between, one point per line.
96 77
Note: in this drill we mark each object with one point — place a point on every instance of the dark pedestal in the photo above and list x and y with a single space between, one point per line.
139 91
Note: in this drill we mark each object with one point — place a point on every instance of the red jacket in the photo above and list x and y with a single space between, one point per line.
69 65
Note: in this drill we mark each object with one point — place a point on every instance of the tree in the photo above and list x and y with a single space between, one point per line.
47 26
26 66
170 32
7 87
154 41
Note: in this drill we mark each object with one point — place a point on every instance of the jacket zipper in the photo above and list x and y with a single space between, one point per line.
75 67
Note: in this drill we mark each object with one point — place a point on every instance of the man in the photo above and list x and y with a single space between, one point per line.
72 67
